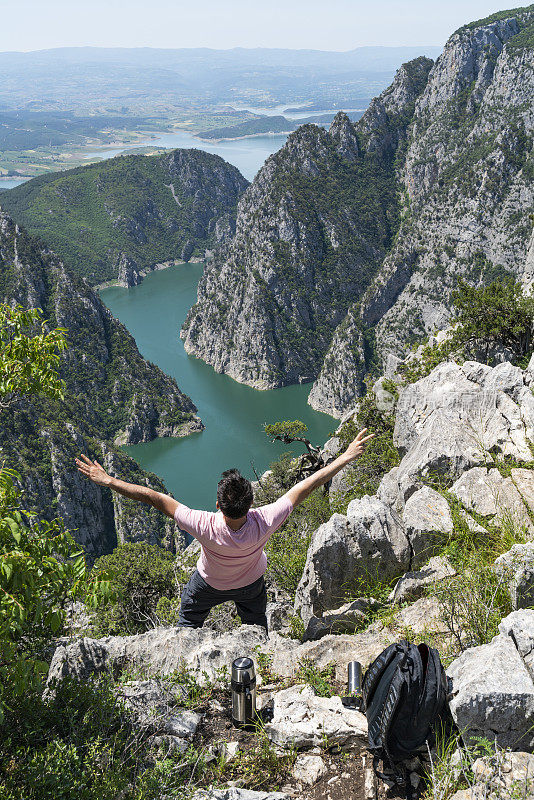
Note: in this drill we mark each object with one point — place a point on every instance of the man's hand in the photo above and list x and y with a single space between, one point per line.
357 446
144 494
303 489
93 470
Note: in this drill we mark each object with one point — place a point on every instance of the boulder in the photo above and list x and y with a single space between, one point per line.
519 627
151 706
422 617
308 768
161 650
503 776
349 551
279 615
331 649
452 419
234 793
492 688
302 720
491 495
412 584
346 619
517 567
427 520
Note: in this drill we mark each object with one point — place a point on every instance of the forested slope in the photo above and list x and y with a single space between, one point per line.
116 219
113 396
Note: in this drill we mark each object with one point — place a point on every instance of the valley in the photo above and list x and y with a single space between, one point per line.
233 414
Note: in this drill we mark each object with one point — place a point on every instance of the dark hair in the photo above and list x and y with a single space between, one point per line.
234 494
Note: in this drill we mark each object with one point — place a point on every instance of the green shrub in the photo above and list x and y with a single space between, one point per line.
379 456
472 605
78 746
497 315
141 574
287 548
321 680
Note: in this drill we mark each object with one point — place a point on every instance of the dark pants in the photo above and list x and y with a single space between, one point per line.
198 598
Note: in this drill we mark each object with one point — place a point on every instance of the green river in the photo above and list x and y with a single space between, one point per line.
233 414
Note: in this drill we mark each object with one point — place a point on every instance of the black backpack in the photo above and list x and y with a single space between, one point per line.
404 696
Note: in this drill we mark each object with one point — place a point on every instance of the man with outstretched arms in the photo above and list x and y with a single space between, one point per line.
232 561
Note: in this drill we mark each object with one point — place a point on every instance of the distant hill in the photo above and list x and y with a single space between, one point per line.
119 218
269 124
137 79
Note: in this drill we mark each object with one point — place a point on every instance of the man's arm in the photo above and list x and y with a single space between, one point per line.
302 490
96 473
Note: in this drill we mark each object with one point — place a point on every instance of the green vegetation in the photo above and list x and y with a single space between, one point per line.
91 215
29 355
142 574
41 567
495 316
321 680
380 454
521 13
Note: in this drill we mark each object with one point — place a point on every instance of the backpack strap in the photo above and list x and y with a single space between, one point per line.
383 723
375 671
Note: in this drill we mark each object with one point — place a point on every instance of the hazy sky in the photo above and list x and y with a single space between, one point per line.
322 24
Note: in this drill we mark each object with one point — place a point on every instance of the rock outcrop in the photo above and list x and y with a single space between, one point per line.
453 424
126 216
113 396
466 178
302 720
493 688
311 231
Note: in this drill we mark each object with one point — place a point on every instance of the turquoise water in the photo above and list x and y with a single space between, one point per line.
248 154
9 183
233 414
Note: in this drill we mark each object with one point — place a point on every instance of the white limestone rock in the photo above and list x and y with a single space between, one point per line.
427 518
303 720
369 540
363 647
161 650
503 776
308 769
491 495
448 422
493 692
235 793
346 619
151 705
517 567
412 584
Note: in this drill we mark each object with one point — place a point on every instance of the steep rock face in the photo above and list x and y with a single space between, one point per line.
124 217
468 189
311 231
112 394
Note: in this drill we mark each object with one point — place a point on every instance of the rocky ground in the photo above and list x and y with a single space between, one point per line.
472 427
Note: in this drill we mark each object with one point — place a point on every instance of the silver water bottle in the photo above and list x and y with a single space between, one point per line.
354 698
243 692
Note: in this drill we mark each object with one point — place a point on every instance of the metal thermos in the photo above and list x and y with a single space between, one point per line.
354 699
243 692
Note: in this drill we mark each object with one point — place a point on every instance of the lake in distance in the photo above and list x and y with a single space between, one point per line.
247 154
233 414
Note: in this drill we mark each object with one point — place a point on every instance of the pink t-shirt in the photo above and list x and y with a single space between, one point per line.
232 559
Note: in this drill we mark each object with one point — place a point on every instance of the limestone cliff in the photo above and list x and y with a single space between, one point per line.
113 396
122 218
468 195
311 232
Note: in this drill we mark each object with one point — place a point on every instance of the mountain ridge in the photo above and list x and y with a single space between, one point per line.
113 397
462 174
118 219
